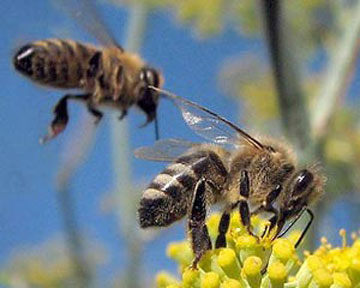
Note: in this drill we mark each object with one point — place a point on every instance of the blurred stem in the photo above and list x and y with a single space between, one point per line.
293 111
292 102
336 81
338 76
74 154
82 271
124 192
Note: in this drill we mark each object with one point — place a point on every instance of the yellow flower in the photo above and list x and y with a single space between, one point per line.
250 262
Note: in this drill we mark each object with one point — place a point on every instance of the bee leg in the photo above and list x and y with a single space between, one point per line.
311 214
123 114
243 205
244 184
245 216
199 234
298 216
273 220
156 126
268 207
223 228
61 118
96 113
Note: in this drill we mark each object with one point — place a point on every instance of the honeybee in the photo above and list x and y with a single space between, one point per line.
253 176
107 75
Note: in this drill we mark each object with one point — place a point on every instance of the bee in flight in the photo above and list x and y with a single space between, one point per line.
107 75
255 176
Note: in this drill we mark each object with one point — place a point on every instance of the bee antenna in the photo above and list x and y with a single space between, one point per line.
162 93
156 124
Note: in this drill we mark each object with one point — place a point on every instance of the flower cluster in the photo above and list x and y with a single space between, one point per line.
249 262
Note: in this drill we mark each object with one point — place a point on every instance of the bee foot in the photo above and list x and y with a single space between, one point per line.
193 266
54 130
254 235
145 123
122 115
97 121
263 270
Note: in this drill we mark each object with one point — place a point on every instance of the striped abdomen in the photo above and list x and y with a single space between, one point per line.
54 62
168 197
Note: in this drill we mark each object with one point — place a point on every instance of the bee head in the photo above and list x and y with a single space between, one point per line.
148 99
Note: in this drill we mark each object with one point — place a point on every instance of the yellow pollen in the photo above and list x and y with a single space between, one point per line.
228 262
277 271
213 224
231 283
190 277
354 236
294 236
241 263
210 280
314 263
246 241
292 278
226 257
323 278
342 233
163 279
283 249
324 241
356 244
342 279
180 252
252 266
355 264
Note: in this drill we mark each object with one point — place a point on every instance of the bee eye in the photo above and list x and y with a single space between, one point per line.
303 180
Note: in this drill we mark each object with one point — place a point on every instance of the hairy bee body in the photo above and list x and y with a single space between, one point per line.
265 169
255 176
108 76
65 64
168 197
55 62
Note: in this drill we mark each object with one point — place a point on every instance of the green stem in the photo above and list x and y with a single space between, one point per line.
292 102
335 83
293 110
124 192
337 78
81 268
74 154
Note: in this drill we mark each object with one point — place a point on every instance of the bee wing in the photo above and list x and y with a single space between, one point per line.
208 124
164 150
85 13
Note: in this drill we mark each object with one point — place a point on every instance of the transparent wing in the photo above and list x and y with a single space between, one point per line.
164 150
85 13
208 124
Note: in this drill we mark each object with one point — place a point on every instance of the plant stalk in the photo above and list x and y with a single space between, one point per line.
292 104
124 192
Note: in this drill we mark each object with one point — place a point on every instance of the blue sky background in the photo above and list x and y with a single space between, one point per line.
29 213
